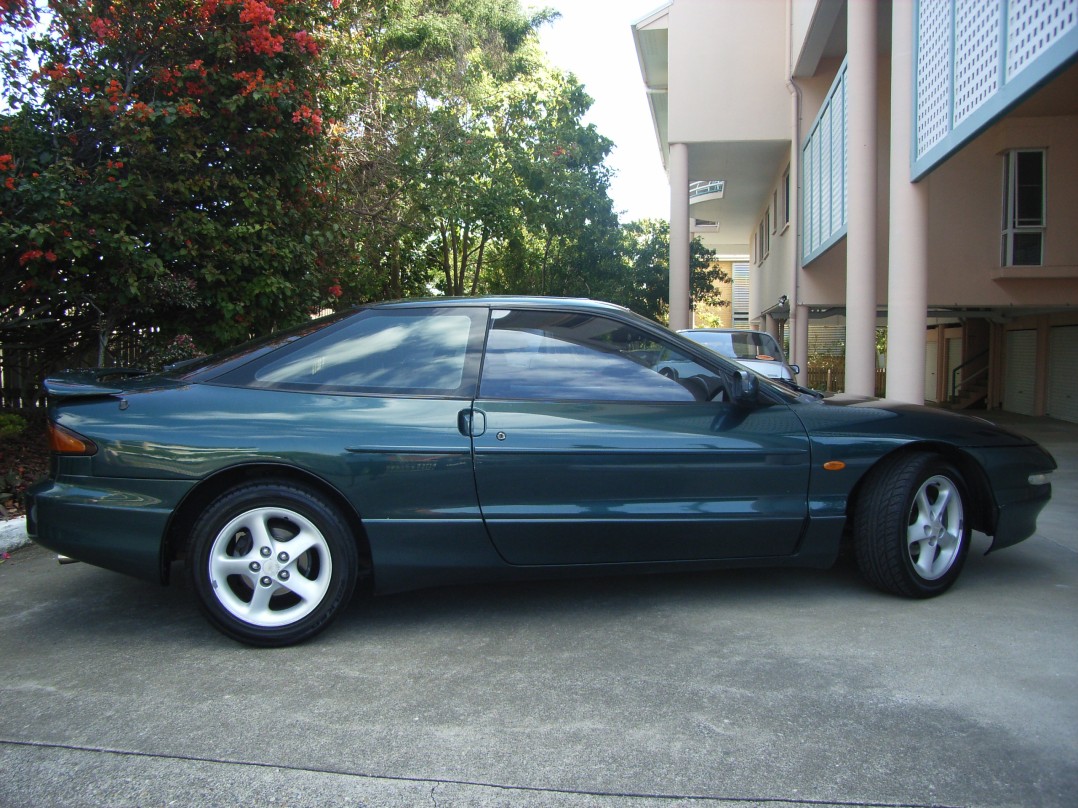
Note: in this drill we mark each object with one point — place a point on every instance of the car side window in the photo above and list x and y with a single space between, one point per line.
549 355
417 352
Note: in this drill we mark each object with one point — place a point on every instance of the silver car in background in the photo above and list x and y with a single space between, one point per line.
757 350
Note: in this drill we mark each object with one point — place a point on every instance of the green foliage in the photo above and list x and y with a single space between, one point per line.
11 425
425 185
166 163
647 245
189 173
170 351
881 340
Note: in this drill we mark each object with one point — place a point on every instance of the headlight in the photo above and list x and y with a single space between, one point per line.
1041 478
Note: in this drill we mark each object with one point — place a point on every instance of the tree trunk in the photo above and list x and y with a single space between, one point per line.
479 261
446 268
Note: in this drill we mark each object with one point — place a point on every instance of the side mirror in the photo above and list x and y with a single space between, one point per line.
796 369
746 387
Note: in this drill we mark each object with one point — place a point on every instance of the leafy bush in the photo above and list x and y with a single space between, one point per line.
11 425
24 457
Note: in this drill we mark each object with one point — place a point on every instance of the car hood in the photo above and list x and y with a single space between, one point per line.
848 414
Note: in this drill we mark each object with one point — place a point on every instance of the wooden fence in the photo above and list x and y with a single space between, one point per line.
23 368
832 377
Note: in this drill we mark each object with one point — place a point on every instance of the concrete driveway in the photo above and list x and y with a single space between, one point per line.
732 688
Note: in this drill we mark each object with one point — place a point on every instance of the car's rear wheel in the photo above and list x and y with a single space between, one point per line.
910 530
272 563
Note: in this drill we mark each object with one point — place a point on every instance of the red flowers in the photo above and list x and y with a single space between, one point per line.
252 81
260 17
306 42
255 12
312 116
261 41
34 254
105 29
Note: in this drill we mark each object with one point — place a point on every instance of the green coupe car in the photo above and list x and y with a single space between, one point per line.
419 443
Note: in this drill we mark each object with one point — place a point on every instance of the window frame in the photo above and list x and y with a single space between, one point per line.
786 198
505 387
248 374
1012 226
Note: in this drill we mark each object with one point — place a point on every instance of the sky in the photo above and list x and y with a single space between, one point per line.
593 39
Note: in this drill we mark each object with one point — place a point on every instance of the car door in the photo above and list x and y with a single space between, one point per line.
589 448
373 405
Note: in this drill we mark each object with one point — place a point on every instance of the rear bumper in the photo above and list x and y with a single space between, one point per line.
116 524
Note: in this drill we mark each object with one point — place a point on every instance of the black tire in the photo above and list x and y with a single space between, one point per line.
272 563
911 534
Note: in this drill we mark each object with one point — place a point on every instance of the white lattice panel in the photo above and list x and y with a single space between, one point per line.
808 204
977 52
1033 26
814 151
838 152
824 156
845 140
824 136
934 26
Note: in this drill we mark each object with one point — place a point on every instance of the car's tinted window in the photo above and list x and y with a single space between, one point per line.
208 367
541 355
421 352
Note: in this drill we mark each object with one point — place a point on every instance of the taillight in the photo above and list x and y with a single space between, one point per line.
65 442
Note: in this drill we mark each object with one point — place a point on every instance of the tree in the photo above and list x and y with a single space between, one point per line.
423 72
565 234
647 245
166 163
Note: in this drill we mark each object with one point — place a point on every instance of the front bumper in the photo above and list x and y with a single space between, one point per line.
1017 501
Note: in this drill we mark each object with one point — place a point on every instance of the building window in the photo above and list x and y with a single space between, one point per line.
786 198
1023 208
763 238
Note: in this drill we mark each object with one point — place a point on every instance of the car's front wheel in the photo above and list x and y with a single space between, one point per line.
272 563
910 529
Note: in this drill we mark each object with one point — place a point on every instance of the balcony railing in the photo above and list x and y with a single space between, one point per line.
706 188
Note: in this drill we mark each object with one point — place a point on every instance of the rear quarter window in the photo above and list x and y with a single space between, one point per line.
408 352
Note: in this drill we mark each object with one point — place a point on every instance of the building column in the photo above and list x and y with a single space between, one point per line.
680 313
907 254
862 189
799 342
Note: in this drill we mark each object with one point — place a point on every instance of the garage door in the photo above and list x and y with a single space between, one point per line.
1063 373
1020 357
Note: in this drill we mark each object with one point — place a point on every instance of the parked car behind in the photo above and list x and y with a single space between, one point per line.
420 443
757 350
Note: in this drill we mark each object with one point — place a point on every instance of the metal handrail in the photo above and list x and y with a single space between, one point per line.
954 374
703 188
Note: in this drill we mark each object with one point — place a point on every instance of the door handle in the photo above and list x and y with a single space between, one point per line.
472 422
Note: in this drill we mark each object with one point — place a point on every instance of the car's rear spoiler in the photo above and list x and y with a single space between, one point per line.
88 383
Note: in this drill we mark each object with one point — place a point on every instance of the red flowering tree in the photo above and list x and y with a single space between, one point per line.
164 163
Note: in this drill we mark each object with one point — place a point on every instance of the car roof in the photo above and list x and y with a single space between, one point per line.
719 331
494 301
